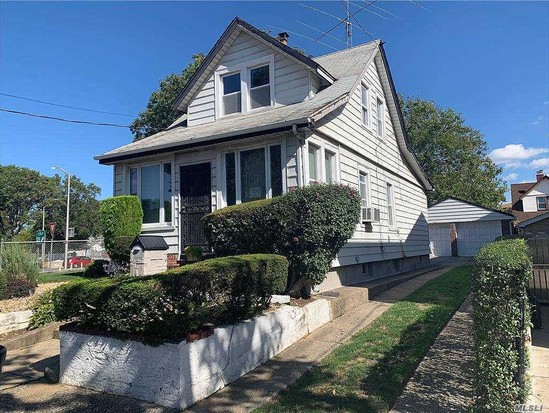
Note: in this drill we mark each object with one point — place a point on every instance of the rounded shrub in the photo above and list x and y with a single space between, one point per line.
308 226
96 269
500 317
120 219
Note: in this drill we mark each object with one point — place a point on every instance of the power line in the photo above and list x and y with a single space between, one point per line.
62 119
65 106
302 35
352 15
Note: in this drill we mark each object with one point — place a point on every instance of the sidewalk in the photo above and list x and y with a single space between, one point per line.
23 388
442 382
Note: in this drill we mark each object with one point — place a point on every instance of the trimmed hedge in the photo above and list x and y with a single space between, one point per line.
500 315
176 302
120 218
308 226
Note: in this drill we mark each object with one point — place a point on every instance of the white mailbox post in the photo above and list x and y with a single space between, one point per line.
148 255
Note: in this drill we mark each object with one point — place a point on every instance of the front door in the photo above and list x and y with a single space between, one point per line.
196 201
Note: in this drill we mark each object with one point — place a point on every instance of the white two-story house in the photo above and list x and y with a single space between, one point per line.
258 119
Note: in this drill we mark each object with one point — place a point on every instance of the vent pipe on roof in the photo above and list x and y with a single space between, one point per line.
283 38
539 175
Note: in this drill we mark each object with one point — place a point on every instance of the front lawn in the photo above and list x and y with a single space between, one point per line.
368 373
55 277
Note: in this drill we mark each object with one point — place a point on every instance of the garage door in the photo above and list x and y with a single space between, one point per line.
471 236
439 237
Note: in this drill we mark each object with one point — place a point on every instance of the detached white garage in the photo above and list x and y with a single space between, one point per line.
459 228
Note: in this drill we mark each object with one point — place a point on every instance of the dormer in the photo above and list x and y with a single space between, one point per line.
247 71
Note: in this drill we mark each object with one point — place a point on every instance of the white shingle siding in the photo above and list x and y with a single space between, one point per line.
453 210
292 83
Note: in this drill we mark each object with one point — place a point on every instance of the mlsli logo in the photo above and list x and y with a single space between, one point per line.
528 408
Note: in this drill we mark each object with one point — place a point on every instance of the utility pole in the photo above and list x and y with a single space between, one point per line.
67 220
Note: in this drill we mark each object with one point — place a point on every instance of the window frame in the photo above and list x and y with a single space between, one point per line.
222 94
391 208
538 199
238 189
362 170
245 84
380 120
323 147
366 106
161 214
250 88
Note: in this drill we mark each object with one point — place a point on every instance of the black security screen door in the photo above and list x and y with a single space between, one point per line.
195 203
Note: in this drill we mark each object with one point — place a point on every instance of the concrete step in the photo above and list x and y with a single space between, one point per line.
32 337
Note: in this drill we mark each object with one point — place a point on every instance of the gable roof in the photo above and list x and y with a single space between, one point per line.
533 220
346 67
534 184
212 59
459 210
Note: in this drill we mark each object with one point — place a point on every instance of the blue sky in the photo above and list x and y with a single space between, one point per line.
487 60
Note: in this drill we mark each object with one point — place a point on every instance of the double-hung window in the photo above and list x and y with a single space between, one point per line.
391 205
260 87
231 100
314 163
364 188
380 119
253 174
364 103
321 163
153 185
329 166
541 202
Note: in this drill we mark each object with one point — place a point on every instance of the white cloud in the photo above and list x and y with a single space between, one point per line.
538 120
546 102
511 177
539 163
510 156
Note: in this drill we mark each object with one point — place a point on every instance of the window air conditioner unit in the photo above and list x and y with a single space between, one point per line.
369 214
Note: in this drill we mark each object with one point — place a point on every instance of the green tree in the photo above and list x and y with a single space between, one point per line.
453 155
23 194
159 113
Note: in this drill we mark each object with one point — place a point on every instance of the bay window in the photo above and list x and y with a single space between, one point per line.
253 174
153 185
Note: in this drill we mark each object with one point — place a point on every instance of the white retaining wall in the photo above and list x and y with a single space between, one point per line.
16 320
180 374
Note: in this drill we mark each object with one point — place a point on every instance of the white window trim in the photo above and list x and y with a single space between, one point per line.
222 194
394 214
367 106
538 204
379 101
244 69
161 224
362 170
322 146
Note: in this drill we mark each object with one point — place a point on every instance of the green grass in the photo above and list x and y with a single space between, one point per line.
368 373
55 277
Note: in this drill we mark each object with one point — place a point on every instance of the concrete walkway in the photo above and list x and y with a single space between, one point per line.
540 362
443 381
23 388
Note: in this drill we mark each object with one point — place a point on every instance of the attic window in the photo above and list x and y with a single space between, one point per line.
260 89
232 100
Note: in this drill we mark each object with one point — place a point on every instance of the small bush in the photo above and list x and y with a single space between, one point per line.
308 226
43 312
181 300
19 287
500 313
96 269
120 219
3 285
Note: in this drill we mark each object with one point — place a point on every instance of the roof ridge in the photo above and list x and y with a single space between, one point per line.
378 41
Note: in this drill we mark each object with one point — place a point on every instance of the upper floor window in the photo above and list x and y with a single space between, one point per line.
391 205
245 87
231 101
380 118
153 185
260 88
253 174
364 102
542 203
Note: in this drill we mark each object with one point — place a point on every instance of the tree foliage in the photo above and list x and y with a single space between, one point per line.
159 113
453 155
23 194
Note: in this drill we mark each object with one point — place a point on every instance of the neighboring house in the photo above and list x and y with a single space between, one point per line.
530 200
258 119
459 228
535 226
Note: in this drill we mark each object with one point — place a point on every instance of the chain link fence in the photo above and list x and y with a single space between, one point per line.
50 255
